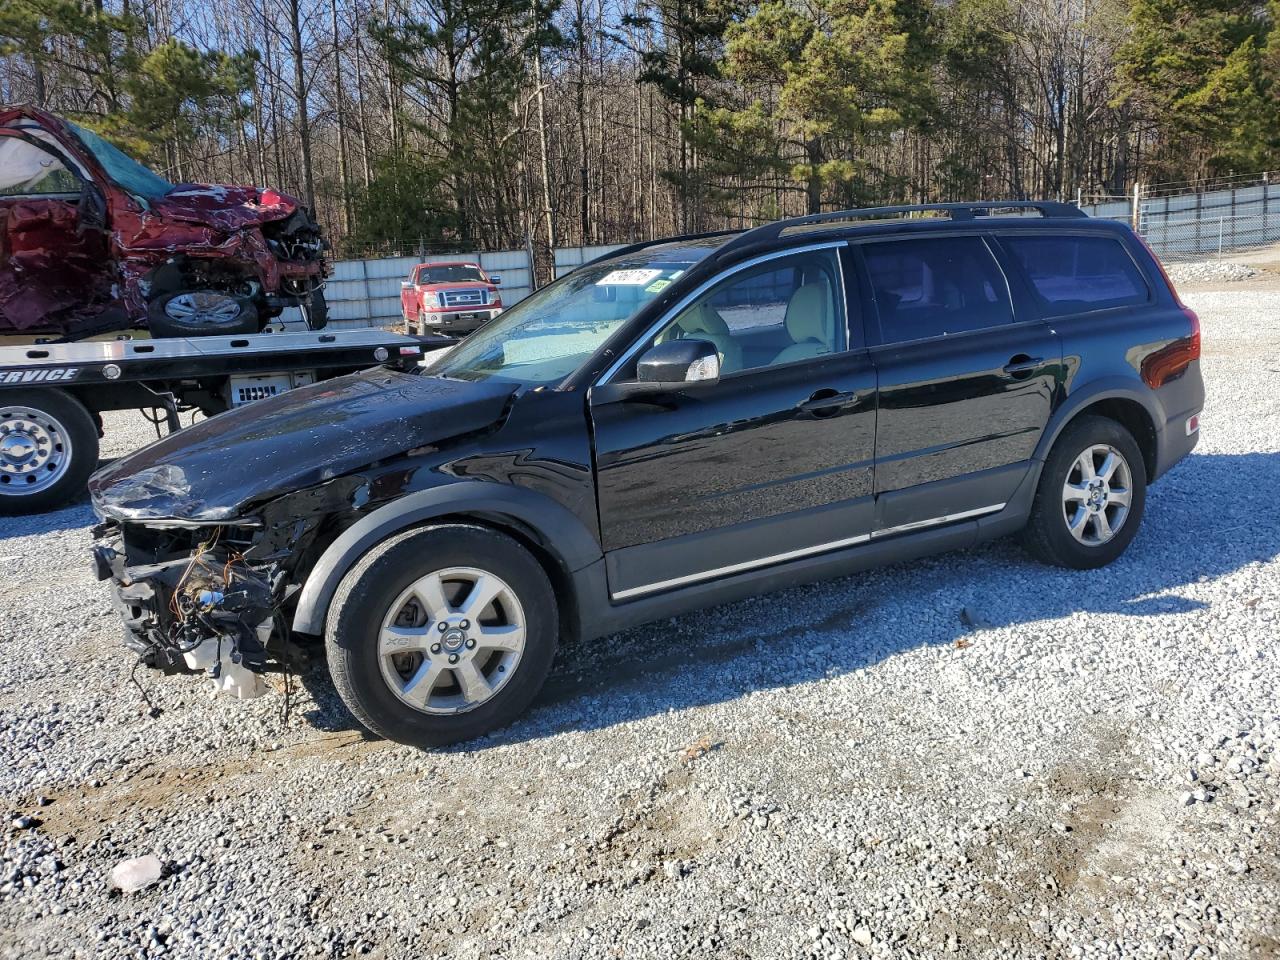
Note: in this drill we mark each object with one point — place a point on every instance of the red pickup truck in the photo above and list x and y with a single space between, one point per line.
453 296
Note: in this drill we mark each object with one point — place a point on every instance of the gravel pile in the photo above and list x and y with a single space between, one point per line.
971 755
1211 271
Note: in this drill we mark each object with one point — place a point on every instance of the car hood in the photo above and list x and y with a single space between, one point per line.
225 207
217 468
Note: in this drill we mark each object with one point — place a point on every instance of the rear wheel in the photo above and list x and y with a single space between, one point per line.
1091 496
196 313
48 448
441 634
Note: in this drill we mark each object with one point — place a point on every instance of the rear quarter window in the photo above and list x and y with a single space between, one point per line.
1077 273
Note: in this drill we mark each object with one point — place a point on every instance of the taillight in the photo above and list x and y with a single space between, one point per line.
1195 332
1171 361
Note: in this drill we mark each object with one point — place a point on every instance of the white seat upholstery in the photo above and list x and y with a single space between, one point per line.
702 322
810 322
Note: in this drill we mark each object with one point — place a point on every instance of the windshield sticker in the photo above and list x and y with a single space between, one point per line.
657 286
628 278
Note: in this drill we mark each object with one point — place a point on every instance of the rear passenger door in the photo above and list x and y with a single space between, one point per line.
966 381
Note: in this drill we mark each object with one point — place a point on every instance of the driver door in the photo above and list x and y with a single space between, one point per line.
772 462
55 271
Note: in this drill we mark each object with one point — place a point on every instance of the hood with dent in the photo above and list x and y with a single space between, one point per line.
228 208
217 468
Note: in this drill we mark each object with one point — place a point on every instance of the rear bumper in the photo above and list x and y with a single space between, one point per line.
1181 430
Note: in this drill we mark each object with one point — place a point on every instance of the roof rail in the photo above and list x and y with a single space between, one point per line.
957 211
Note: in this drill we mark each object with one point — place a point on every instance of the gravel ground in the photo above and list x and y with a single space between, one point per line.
1211 271
1082 764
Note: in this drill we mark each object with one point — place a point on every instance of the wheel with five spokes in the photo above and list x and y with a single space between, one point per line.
441 634
1090 498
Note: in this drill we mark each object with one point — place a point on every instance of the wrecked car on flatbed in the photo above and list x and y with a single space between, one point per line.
92 241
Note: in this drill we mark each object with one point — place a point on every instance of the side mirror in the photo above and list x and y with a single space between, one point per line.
679 363
495 279
406 284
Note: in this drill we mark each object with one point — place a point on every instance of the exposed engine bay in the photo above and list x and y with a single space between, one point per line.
210 599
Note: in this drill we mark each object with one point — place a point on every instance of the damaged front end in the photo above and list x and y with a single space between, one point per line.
209 598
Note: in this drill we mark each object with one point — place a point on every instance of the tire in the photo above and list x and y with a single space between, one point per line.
1095 507
201 313
317 313
450 710
48 448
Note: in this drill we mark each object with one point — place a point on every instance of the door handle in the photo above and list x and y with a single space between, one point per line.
826 403
1022 364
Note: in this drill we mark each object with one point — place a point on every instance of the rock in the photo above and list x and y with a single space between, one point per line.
137 874
861 936
23 823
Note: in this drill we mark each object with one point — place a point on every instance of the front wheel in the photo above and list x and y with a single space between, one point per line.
1091 496
441 634
197 313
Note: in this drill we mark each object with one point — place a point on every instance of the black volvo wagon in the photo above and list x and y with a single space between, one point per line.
677 424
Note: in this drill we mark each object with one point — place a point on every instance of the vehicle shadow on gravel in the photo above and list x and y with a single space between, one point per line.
1191 533
76 515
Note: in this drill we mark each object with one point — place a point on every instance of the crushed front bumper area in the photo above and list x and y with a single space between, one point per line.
204 599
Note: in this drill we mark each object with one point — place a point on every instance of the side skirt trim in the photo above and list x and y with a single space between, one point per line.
802 552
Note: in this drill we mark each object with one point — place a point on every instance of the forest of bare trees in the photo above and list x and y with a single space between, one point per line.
432 124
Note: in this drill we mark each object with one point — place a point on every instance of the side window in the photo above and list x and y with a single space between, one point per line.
935 287
28 171
1073 273
781 311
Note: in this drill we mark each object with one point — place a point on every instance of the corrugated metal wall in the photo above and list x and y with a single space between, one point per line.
1195 225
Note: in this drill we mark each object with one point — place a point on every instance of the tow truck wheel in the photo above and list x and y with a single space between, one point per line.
48 448
441 634
198 313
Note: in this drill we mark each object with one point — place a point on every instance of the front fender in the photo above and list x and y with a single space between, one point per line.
561 533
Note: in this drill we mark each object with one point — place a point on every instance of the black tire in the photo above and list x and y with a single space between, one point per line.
367 593
317 313
163 323
80 443
1047 536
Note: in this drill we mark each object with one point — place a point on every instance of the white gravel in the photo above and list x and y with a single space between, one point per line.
1211 271
841 770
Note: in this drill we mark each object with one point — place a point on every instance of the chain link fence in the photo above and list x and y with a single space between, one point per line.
1200 225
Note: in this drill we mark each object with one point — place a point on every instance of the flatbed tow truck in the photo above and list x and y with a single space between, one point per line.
52 395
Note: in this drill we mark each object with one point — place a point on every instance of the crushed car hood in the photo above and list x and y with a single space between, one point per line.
217 468
225 207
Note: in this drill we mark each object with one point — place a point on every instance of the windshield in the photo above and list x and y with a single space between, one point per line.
124 170
450 273
547 336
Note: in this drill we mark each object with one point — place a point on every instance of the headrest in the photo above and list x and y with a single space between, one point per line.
704 319
809 314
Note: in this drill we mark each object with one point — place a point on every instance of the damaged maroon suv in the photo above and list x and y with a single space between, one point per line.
92 241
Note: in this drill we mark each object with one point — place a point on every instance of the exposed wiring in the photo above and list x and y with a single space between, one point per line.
152 710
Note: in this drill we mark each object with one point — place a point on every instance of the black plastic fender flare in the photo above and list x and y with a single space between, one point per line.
1107 388
558 531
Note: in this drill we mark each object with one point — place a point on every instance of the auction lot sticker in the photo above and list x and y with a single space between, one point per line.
628 278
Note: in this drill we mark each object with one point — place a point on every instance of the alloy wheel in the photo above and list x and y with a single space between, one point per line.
451 640
203 308
1097 494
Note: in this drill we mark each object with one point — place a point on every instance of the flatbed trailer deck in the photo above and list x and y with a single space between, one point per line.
52 395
